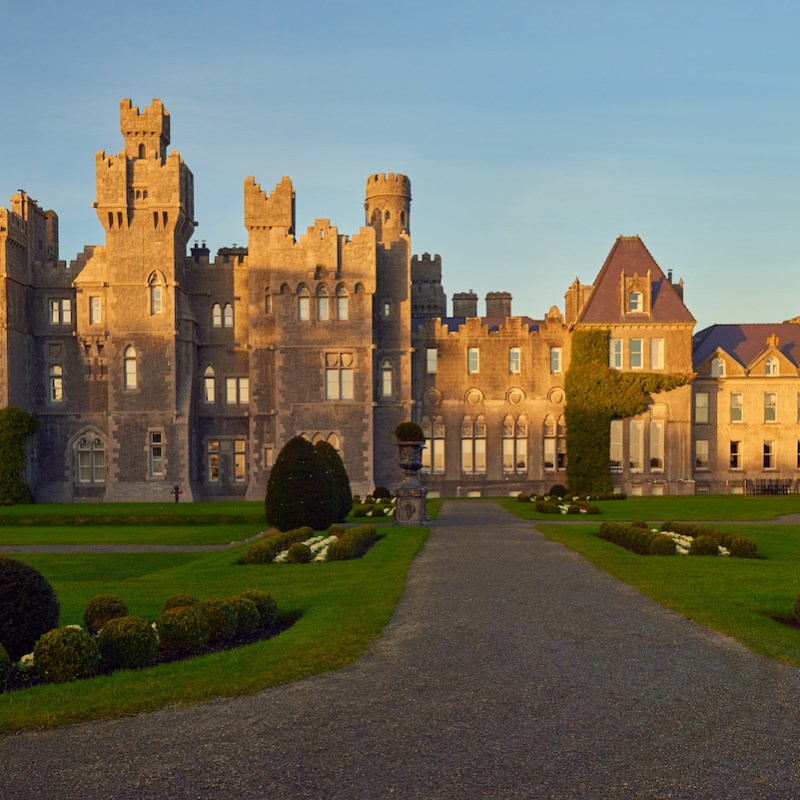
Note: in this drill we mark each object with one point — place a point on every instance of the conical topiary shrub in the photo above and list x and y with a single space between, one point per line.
300 490
341 482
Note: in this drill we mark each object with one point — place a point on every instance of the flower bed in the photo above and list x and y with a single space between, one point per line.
677 538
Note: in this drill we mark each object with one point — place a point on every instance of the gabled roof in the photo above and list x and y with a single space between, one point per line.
746 342
629 255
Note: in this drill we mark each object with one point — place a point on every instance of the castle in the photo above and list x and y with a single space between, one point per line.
150 368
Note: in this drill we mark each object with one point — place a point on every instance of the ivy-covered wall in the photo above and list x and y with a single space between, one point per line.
16 426
595 395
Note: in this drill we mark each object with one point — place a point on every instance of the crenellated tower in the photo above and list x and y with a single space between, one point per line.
388 205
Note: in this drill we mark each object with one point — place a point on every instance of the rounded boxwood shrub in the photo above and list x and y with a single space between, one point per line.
703 546
409 432
222 619
639 523
28 607
558 490
741 547
662 545
381 492
65 654
183 631
102 608
5 667
299 553
128 643
267 607
796 608
247 617
523 498
180 601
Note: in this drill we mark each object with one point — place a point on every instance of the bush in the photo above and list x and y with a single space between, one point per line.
740 547
222 619
267 607
703 546
264 550
180 601
128 643
16 426
558 490
65 654
341 482
354 543
336 530
382 493
662 545
796 608
102 608
573 508
299 553
5 667
409 432
28 607
183 631
639 523
523 498
547 507
300 490
356 499
247 616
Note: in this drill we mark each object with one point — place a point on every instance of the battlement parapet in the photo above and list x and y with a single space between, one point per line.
263 211
153 121
388 183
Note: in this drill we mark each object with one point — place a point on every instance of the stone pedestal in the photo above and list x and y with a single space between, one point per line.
412 494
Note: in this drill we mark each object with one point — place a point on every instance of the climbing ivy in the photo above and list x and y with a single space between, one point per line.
596 394
16 426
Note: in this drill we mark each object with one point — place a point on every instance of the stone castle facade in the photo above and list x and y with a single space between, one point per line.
150 368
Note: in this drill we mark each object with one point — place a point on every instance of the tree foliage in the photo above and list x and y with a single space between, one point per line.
16 426
300 490
341 481
596 394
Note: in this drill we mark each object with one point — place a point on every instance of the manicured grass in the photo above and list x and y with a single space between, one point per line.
677 507
734 596
340 608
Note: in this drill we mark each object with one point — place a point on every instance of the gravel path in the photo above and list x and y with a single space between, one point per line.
513 668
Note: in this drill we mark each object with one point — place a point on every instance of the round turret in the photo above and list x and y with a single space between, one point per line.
388 205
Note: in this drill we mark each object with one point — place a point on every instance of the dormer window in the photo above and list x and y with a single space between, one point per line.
717 368
771 367
635 302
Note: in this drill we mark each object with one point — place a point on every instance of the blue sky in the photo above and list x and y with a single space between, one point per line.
533 132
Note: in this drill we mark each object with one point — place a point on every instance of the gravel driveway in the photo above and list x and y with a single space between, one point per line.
513 668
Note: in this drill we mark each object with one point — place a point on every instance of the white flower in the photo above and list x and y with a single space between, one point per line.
26 662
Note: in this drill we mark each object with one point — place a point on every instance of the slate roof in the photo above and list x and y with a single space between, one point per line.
629 255
745 342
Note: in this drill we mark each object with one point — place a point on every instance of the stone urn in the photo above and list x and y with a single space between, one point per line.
412 494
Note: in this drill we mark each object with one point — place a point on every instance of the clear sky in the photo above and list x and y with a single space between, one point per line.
534 133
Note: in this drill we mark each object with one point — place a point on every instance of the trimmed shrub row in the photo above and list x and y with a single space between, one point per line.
548 506
637 539
738 546
264 550
353 543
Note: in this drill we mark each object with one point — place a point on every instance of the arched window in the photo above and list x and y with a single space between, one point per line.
433 454
403 219
303 304
717 368
228 321
333 441
323 304
772 367
156 294
91 460
317 437
56 383
130 378
142 150
386 378
216 315
342 303
515 445
561 443
388 216
473 446
549 443
209 385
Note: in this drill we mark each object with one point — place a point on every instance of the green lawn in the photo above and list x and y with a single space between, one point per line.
340 607
734 596
677 507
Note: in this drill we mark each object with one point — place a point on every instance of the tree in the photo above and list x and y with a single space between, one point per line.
341 482
16 426
596 394
300 490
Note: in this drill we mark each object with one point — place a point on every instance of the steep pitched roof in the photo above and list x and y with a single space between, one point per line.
629 255
746 342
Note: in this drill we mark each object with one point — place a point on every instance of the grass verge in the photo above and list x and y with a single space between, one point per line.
342 607
735 596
